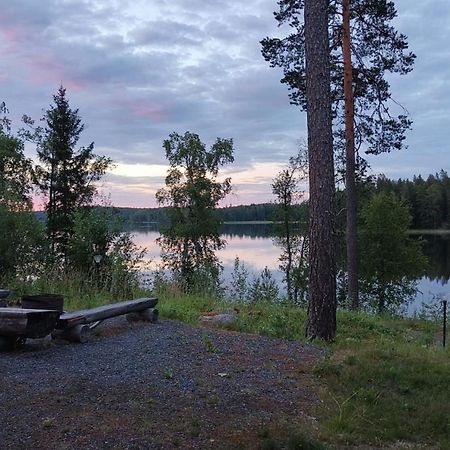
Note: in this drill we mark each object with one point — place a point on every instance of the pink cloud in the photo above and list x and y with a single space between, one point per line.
13 35
44 66
148 111
47 68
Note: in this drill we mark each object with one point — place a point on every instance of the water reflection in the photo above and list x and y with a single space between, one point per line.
254 246
437 249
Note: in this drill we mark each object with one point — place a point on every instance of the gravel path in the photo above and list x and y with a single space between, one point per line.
155 386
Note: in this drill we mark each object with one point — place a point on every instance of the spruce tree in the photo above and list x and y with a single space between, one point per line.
66 174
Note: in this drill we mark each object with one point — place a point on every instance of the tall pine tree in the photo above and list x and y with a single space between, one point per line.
363 47
322 271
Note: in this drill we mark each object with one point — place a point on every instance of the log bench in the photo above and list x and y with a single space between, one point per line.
76 326
17 324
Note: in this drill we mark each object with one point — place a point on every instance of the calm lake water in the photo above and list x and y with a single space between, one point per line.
254 246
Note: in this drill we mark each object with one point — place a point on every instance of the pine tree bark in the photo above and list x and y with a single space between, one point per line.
322 271
350 185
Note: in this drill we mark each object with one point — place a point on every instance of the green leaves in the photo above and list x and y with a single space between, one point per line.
192 193
16 172
387 253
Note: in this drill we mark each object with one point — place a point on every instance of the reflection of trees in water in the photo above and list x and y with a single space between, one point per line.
252 230
143 227
241 230
437 250
435 247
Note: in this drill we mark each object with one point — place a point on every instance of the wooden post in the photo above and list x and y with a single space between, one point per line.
444 327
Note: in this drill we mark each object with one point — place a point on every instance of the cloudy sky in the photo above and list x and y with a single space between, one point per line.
140 69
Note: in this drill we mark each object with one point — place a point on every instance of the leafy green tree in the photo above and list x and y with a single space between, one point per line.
97 233
193 192
293 260
66 175
15 168
264 288
387 253
22 241
23 247
238 289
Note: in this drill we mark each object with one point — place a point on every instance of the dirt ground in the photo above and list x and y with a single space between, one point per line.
156 386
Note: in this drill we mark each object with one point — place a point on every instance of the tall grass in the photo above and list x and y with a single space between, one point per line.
80 290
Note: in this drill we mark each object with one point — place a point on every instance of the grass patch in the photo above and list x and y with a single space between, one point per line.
186 308
383 391
79 291
290 441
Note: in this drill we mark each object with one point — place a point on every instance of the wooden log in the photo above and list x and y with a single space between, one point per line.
32 323
69 320
147 315
78 333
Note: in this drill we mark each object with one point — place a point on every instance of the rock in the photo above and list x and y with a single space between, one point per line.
219 318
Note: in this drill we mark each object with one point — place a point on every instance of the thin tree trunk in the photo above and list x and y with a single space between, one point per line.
51 206
322 271
350 186
287 229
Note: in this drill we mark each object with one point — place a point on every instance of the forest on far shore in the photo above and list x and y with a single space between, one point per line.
428 201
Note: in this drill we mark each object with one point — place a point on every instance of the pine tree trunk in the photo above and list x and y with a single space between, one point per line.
350 186
322 271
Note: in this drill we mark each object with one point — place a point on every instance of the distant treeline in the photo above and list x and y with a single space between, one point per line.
243 213
428 199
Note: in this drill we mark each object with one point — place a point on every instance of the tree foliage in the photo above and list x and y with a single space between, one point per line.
23 247
66 175
378 50
387 253
22 241
15 169
428 199
193 192
294 243
99 232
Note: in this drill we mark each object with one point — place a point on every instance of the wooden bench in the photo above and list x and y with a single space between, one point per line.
18 324
77 325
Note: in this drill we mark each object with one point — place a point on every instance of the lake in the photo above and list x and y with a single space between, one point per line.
254 246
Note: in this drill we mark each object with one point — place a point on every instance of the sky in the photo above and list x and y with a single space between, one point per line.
141 69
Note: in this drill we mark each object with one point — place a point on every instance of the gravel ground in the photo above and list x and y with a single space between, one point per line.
155 386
